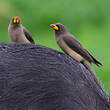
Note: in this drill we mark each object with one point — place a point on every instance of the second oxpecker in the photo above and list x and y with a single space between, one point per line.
19 33
71 46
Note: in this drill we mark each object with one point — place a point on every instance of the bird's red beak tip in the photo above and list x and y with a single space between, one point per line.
52 25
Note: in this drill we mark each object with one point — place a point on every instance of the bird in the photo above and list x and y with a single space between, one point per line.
19 33
71 46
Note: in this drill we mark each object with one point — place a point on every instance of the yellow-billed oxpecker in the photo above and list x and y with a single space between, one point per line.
19 33
71 46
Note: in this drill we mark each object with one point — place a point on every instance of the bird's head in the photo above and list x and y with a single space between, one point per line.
59 28
15 21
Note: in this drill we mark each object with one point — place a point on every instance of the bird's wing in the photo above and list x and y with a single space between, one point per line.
77 47
28 36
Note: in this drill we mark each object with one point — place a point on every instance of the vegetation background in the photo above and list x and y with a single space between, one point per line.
88 20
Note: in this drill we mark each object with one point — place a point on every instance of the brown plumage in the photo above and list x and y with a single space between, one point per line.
19 33
71 46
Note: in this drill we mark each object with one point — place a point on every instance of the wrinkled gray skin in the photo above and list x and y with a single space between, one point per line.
19 33
33 77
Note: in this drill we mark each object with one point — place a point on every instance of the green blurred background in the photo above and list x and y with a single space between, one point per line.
88 20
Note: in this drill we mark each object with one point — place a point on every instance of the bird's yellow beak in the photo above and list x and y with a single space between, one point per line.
16 20
54 27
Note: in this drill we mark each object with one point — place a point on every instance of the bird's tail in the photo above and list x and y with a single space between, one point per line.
89 67
96 62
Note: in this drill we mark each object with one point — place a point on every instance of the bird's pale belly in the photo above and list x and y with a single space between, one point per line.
19 39
22 39
71 52
18 36
75 55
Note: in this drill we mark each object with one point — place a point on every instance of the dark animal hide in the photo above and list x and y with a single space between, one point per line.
34 77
